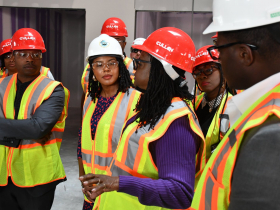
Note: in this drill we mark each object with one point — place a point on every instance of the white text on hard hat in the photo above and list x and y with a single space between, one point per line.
27 38
164 46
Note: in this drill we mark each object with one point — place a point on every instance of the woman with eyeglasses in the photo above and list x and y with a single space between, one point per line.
154 165
8 66
108 104
210 105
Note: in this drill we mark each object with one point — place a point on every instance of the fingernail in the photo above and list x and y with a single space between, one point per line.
93 190
86 182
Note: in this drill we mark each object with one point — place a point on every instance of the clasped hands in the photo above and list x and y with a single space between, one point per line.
95 184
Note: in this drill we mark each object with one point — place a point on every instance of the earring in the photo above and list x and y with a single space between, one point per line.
93 77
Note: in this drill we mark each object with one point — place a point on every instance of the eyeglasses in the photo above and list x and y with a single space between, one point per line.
137 63
209 49
8 56
100 66
24 55
135 50
207 72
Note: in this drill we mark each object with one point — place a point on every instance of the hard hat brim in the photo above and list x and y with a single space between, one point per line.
214 27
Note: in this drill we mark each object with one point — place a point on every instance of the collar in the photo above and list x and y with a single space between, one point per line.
239 103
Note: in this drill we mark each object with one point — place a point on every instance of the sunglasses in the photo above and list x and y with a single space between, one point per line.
135 50
136 63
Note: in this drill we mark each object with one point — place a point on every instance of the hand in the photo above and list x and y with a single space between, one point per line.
95 185
44 139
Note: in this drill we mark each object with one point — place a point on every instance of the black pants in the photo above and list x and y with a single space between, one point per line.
17 198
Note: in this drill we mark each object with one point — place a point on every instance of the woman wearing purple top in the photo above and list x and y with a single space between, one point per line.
154 165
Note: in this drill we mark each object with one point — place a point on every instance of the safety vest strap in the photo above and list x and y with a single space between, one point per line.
44 70
3 73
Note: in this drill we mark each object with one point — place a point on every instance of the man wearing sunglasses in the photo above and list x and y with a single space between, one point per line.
135 53
242 172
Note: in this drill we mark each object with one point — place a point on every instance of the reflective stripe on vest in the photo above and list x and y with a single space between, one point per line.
133 158
31 164
219 122
85 78
44 70
3 73
213 190
97 154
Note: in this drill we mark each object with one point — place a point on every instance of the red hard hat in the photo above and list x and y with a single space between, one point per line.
171 45
28 39
114 27
5 46
215 36
202 56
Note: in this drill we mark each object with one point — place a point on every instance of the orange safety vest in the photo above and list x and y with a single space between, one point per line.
214 188
31 164
132 157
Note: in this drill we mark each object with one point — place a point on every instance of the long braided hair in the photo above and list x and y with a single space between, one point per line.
95 88
158 96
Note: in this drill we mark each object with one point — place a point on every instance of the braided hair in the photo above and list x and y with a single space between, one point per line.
160 91
94 87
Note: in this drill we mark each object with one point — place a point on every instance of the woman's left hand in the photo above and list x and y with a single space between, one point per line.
95 185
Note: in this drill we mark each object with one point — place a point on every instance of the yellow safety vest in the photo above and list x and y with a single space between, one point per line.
214 187
3 73
219 122
31 164
97 154
85 78
132 157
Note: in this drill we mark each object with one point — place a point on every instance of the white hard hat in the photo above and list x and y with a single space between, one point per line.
138 41
104 45
230 15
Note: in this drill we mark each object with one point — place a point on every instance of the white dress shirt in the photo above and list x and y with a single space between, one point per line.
239 103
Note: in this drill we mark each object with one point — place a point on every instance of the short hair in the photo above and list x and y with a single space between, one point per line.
263 37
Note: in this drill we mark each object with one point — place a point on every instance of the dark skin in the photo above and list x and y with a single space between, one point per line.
209 84
94 184
121 40
242 66
109 80
29 69
143 71
10 63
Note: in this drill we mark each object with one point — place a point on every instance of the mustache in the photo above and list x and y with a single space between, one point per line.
30 65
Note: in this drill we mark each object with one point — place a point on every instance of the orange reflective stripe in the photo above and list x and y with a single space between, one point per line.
129 170
142 138
28 146
37 81
42 95
5 100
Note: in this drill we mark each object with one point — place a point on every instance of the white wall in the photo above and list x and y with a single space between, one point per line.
97 11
